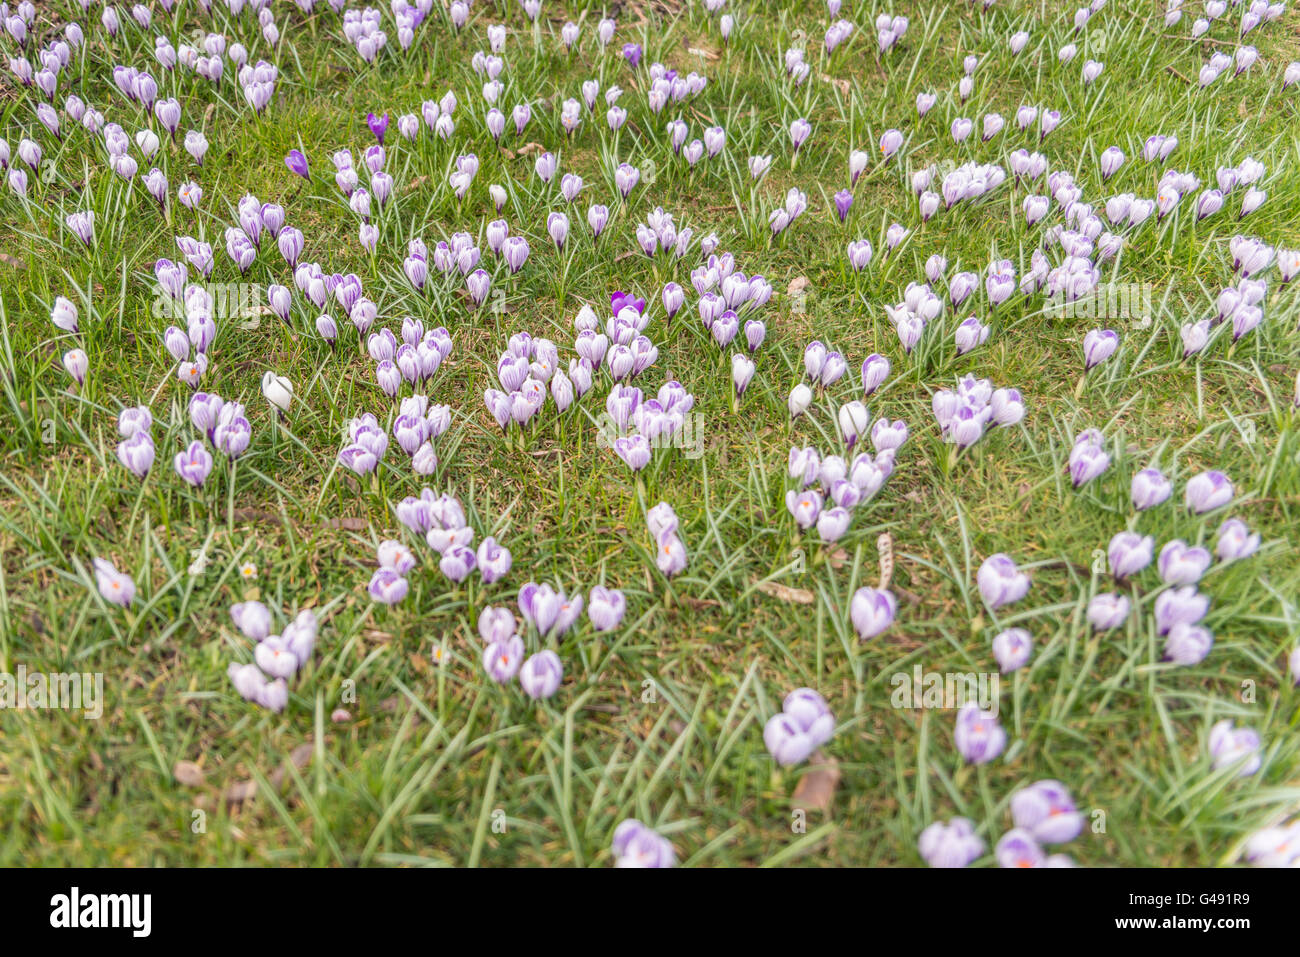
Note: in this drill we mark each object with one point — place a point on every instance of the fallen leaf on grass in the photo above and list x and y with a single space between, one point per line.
188 773
801 596
816 789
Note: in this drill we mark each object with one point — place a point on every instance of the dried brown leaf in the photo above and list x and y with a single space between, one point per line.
800 596
816 789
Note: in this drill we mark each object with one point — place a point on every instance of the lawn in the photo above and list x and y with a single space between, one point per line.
456 706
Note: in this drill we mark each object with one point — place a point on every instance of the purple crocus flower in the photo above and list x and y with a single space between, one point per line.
605 608
1188 644
1000 581
503 658
387 586
1046 810
194 463
954 844
1012 649
136 453
1088 457
804 724
1098 346
378 125
979 737
540 675
1149 488
1229 745
636 845
297 163
1129 553
632 54
494 560
114 586
1017 848
872 610
1183 605
1107 611
1182 564
1208 491
843 203
548 609
457 562
1236 541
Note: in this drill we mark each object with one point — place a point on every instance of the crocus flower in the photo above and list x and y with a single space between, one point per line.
1229 745
1182 564
1208 491
1046 810
493 560
503 658
194 464
843 203
549 610
278 391
1107 611
136 453
378 126
853 420
1012 649
636 845
1098 346
1235 540
954 844
872 610
1182 605
979 737
1188 644
76 363
297 163
1000 581
64 314
387 586
115 587
605 608
801 397
1088 458
1275 846
540 675
1129 553
804 724
1149 489
1017 848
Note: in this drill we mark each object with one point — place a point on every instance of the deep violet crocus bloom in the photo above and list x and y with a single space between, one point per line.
297 163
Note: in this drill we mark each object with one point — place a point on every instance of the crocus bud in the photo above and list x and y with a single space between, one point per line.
853 421
801 397
76 363
278 391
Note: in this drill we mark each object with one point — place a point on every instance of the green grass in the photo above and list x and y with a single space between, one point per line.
661 719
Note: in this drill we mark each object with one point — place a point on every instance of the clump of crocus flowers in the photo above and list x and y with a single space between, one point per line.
276 657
